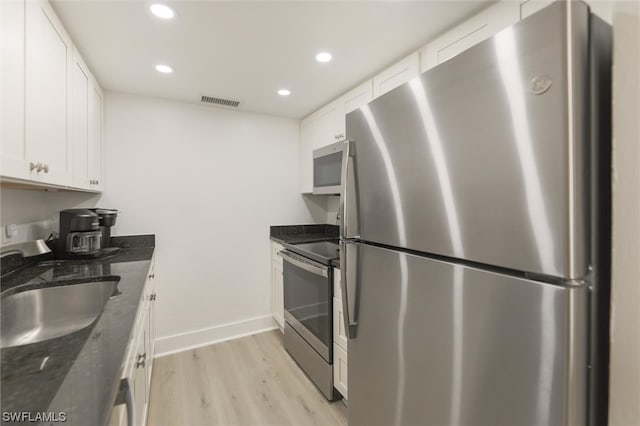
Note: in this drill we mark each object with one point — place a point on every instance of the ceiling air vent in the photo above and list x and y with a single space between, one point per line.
220 101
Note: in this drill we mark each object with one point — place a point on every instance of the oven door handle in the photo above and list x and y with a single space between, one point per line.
304 264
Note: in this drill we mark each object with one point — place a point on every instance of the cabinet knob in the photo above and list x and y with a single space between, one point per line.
152 297
32 166
339 136
39 167
46 168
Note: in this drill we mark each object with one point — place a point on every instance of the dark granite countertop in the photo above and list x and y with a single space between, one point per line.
296 234
77 374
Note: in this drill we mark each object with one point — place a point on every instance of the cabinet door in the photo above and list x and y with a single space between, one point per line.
277 288
13 159
48 66
139 379
529 7
470 32
80 87
151 331
358 97
340 370
331 124
96 101
395 75
339 332
307 145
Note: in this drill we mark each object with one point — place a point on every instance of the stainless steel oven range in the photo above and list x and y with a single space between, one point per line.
308 295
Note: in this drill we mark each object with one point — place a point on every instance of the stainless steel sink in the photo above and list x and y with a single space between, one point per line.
35 315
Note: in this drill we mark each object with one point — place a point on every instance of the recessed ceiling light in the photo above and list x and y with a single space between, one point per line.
162 11
323 57
165 69
284 92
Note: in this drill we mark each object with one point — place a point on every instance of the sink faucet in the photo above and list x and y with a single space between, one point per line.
26 249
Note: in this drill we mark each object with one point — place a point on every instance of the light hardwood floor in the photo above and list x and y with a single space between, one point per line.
248 381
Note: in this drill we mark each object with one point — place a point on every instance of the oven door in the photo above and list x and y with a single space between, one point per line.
307 301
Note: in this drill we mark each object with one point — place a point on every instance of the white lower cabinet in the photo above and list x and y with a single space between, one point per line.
139 360
340 370
277 285
339 338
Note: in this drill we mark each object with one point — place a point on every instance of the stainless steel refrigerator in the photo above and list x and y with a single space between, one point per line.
475 234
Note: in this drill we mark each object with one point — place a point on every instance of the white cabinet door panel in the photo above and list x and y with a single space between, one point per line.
397 74
340 370
529 7
361 95
339 332
307 145
469 33
13 155
337 288
80 87
331 124
94 146
48 66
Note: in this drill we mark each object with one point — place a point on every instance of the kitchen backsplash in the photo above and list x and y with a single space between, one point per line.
35 212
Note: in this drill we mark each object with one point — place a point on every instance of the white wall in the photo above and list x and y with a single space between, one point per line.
35 212
208 182
624 397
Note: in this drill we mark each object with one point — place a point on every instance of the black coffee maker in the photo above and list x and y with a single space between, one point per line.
85 233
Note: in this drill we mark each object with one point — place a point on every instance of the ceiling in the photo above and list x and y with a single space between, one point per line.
246 51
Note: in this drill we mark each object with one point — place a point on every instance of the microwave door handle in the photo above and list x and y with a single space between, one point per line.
348 209
316 270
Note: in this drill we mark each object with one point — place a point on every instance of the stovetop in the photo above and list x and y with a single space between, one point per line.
321 251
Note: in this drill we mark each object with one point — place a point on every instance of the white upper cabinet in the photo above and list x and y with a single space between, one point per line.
13 158
469 33
48 66
395 75
331 124
358 97
80 87
529 7
94 152
52 116
86 125
307 145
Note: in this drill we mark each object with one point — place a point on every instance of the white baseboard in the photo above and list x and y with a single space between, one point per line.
206 336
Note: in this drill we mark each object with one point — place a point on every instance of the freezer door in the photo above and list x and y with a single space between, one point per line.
484 157
444 344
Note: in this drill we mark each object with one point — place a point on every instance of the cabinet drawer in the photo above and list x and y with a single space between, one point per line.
340 370
337 287
339 332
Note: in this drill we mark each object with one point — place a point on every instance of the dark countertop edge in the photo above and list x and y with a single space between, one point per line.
303 233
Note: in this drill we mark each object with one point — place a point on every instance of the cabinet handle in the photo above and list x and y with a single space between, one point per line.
140 360
46 168
32 166
339 137
39 167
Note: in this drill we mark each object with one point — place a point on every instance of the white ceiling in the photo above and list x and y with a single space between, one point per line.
246 51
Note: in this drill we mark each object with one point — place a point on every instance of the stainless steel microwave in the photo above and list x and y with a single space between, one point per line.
327 169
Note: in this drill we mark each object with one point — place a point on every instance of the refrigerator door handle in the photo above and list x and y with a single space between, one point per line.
348 309
348 211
